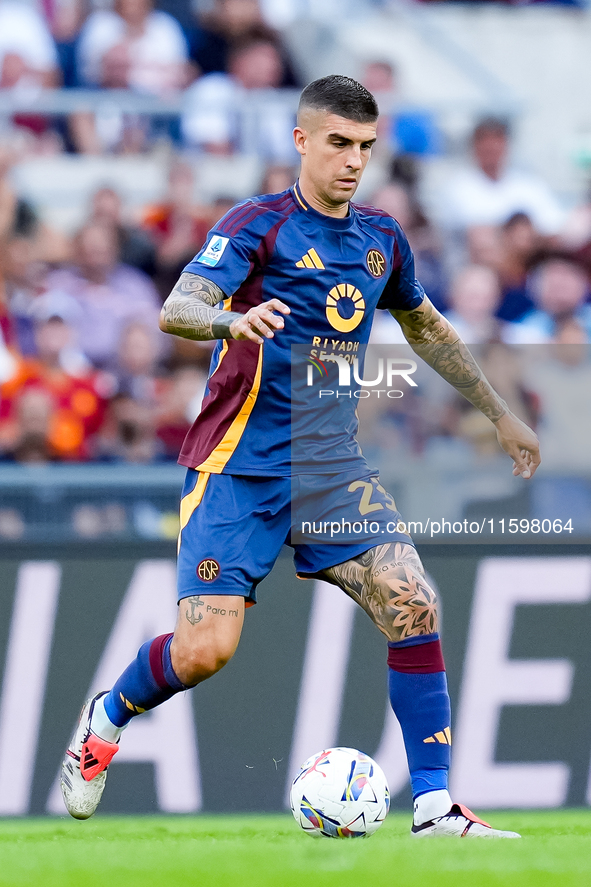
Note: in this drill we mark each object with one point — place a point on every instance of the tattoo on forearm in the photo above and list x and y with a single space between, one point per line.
192 614
189 311
434 339
388 581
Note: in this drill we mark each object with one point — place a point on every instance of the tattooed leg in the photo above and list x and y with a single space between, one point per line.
206 636
388 581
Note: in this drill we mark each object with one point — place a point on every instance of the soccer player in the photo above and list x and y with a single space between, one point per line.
303 267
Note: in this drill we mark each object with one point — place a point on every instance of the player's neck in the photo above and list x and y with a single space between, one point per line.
320 204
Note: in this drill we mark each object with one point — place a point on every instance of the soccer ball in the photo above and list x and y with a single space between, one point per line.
340 793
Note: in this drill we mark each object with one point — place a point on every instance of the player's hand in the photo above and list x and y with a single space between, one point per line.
520 442
259 323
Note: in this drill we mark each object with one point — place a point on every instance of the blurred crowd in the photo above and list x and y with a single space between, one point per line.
85 373
158 48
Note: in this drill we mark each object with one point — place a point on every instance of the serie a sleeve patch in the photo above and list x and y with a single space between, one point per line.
214 251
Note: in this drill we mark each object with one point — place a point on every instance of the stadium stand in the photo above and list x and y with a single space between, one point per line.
128 129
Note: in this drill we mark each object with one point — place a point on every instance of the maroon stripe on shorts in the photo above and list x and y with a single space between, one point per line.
418 659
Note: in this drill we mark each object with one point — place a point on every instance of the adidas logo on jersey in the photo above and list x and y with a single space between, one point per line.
442 736
311 260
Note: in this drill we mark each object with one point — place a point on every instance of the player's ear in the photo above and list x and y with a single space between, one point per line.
300 137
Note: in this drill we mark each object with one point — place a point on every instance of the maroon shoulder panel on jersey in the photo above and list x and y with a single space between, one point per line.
242 215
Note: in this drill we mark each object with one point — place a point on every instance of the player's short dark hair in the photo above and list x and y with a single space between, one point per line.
342 96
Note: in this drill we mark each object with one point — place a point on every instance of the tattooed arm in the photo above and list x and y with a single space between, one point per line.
433 338
190 312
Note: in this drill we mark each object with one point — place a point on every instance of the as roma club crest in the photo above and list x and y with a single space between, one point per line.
208 569
376 263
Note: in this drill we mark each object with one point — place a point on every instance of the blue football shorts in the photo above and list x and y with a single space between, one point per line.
233 527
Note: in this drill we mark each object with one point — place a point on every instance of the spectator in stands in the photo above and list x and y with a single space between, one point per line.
213 120
99 295
23 282
45 412
28 58
177 226
484 245
491 192
7 210
24 262
137 362
182 11
380 78
7 358
560 288
576 234
520 244
136 246
509 250
128 433
133 46
474 296
8 199
65 19
229 23
255 63
180 399
403 129
24 435
277 179
28 63
15 219
151 414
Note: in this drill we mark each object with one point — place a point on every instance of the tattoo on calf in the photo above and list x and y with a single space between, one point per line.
388 581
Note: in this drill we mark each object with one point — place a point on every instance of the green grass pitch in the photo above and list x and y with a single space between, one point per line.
271 851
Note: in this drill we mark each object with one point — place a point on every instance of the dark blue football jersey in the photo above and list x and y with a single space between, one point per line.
333 274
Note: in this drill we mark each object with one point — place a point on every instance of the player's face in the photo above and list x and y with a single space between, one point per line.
334 151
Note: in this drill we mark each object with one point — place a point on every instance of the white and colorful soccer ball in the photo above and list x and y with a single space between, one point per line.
340 793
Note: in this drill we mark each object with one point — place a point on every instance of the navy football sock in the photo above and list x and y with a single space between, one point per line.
146 683
419 698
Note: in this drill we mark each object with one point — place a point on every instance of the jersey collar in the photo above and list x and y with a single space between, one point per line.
320 218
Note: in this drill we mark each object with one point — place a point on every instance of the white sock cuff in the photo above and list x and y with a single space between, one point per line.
431 805
102 726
